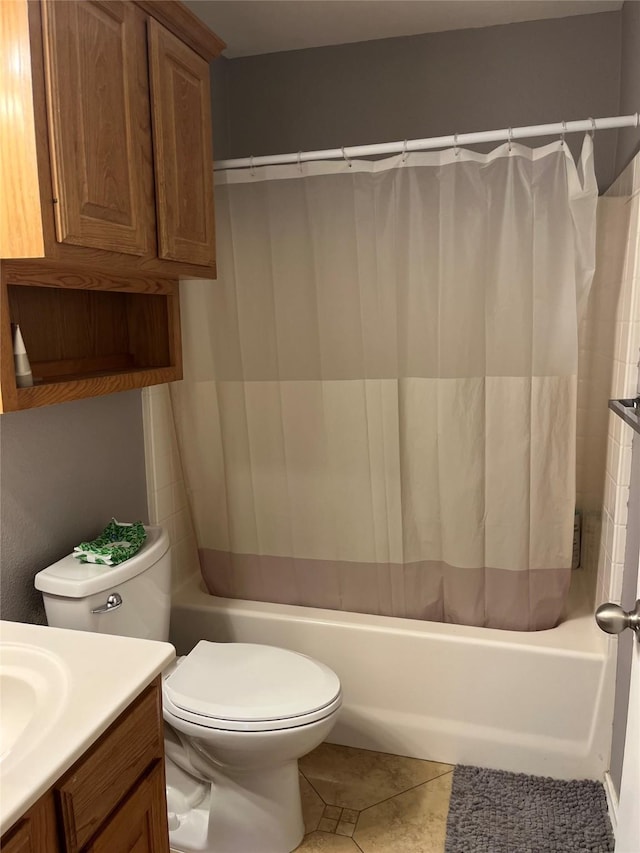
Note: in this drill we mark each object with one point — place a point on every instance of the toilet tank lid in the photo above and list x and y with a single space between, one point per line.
72 579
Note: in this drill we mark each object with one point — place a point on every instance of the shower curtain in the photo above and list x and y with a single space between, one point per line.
379 409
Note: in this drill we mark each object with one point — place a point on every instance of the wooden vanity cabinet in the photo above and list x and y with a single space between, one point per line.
140 824
113 134
114 768
36 832
113 798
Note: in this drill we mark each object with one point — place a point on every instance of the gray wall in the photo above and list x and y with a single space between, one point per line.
220 107
629 138
64 472
428 85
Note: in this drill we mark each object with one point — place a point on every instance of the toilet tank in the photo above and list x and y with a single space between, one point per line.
74 591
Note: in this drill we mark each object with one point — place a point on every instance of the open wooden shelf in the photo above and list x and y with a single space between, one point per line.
85 335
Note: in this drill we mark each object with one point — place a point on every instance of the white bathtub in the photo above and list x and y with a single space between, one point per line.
532 702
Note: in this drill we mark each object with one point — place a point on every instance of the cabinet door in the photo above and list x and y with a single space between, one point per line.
98 117
183 152
36 832
140 824
101 779
20 841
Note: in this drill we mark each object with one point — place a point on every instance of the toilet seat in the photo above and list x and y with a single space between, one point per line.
249 687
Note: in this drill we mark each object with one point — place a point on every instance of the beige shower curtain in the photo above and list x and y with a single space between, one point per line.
379 409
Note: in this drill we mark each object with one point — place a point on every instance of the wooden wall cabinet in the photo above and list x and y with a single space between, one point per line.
106 190
112 799
180 89
98 124
86 334
108 119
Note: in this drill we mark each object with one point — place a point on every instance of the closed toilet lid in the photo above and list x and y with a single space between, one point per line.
249 683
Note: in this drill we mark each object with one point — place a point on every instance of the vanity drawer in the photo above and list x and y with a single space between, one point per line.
97 783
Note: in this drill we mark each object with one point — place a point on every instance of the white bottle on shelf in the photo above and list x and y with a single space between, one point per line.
24 377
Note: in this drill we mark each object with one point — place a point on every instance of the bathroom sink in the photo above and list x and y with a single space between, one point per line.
33 690
59 691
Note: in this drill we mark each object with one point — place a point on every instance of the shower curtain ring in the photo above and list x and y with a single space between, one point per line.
348 159
592 132
404 151
456 150
564 130
510 138
251 167
300 161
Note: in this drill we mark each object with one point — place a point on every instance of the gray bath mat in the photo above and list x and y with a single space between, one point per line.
492 811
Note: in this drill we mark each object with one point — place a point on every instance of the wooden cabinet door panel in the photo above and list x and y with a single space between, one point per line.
20 840
183 153
99 780
140 824
36 832
98 118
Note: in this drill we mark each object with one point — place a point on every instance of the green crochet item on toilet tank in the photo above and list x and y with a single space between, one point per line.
118 542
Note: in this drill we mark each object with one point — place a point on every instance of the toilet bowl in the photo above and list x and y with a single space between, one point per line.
238 716
245 742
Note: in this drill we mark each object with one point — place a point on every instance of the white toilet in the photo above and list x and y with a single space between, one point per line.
239 715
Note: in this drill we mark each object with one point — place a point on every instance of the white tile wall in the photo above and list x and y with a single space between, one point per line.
166 490
623 383
597 347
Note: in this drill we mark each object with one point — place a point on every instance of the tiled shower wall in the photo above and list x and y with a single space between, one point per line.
608 367
624 383
596 356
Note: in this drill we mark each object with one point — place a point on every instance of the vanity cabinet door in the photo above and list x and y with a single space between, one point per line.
104 776
99 135
183 152
140 824
35 832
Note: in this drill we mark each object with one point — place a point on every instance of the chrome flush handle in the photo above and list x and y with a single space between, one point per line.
613 619
113 602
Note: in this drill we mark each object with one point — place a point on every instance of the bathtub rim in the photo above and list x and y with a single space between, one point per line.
561 731
577 634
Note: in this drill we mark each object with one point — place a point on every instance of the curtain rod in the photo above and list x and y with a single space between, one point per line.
504 135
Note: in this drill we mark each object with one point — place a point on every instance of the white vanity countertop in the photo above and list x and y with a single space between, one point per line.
90 679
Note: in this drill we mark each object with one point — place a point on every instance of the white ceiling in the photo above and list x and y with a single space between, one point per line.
250 27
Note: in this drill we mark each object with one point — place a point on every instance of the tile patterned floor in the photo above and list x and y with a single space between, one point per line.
358 801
